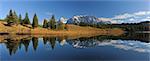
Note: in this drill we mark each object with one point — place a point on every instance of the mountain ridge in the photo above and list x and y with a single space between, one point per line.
77 19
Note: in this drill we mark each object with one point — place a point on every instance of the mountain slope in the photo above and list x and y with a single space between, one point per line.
86 19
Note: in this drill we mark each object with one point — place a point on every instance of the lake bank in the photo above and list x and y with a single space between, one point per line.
72 30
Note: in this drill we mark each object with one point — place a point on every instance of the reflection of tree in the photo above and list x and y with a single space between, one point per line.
25 42
45 40
12 46
35 42
144 37
52 41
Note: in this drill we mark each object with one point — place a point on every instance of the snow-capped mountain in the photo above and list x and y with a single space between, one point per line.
63 19
86 19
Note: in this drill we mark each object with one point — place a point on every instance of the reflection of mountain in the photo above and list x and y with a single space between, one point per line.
122 44
83 42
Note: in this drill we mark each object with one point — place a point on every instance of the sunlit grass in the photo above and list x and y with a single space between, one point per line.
72 30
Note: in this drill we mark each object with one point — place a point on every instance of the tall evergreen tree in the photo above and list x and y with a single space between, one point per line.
20 19
35 21
45 23
10 13
52 22
16 18
26 19
10 18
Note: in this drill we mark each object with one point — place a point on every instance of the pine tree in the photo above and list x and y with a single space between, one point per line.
16 18
26 19
45 23
10 13
35 21
20 19
10 18
52 23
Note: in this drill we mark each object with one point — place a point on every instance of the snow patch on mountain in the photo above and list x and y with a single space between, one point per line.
86 19
63 19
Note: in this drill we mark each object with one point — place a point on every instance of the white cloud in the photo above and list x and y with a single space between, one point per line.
142 13
129 17
133 17
123 16
107 19
136 14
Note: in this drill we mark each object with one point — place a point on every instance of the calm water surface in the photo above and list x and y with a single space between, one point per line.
98 48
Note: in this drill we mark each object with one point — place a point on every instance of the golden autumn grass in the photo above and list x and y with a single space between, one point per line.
73 31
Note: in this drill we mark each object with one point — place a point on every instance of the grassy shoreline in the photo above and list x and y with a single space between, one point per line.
72 30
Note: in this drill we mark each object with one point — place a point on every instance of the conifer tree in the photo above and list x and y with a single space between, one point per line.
35 21
26 19
10 18
20 19
45 23
52 22
16 21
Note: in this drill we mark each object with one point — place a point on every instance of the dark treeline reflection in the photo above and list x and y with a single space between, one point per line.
143 37
13 45
50 40
35 42
84 42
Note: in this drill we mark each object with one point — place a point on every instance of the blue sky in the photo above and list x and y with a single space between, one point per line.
66 8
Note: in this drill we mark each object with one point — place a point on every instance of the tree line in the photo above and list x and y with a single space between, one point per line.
13 19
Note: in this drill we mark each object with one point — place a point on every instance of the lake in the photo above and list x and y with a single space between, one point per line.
127 47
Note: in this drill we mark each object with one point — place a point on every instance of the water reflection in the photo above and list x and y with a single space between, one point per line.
121 42
12 45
